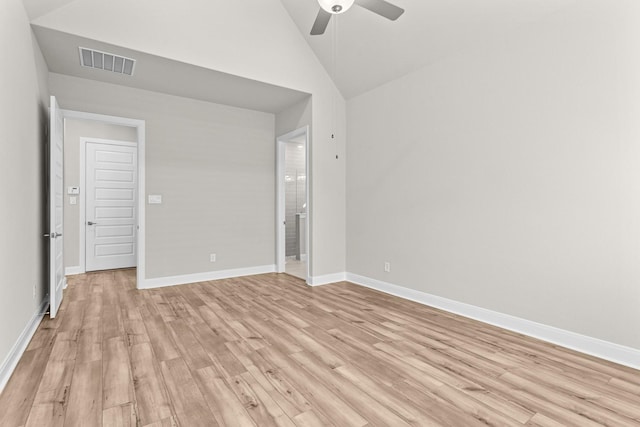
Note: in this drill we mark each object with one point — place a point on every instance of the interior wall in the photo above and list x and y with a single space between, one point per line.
294 117
23 123
255 39
74 129
213 166
509 177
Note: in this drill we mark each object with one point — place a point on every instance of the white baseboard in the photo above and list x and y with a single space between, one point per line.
160 282
326 279
72 271
593 346
11 361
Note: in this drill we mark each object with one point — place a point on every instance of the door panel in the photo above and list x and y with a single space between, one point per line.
114 194
114 231
56 200
104 214
114 249
114 175
111 172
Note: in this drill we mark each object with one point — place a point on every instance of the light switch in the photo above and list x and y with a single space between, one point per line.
155 199
73 200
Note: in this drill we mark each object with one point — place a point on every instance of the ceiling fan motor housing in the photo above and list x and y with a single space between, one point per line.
336 6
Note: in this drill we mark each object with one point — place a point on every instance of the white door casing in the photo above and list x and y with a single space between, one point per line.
281 237
56 201
110 207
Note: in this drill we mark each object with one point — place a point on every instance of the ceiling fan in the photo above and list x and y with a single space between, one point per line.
335 7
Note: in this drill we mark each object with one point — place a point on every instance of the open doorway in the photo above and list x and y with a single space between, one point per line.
293 204
104 193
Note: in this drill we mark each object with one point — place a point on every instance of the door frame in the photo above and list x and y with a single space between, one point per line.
140 126
280 198
83 200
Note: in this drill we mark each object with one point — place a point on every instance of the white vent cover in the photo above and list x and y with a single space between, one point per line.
106 61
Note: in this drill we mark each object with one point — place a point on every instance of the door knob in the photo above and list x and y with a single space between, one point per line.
91 223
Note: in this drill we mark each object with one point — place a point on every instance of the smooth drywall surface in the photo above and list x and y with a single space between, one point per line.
509 177
255 39
294 117
23 121
74 129
214 167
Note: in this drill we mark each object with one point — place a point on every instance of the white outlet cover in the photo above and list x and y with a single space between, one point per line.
155 199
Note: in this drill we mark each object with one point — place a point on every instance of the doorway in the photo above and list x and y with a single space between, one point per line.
293 204
131 155
109 176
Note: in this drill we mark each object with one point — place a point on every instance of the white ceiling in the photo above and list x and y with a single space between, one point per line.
163 75
369 50
37 8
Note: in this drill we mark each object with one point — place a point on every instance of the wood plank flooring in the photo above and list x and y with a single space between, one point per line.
269 351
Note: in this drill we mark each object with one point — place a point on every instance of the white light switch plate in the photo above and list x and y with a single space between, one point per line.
73 200
155 199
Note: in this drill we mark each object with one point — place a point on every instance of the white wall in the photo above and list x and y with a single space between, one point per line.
74 129
23 120
255 39
214 166
509 177
294 117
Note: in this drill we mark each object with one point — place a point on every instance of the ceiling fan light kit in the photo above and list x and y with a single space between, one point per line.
336 6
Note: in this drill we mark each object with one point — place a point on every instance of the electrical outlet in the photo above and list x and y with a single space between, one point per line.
387 267
212 258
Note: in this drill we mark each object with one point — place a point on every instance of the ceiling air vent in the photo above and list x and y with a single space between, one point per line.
106 61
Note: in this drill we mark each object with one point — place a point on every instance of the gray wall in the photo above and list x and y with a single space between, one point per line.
23 120
74 130
509 177
213 166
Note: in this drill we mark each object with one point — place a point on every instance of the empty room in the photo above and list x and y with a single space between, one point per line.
320 213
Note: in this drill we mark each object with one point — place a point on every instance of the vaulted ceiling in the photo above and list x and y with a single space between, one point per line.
361 50
369 50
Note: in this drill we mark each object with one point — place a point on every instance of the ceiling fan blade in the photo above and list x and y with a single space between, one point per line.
382 8
322 20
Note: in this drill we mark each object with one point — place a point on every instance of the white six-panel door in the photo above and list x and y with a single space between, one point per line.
111 187
56 200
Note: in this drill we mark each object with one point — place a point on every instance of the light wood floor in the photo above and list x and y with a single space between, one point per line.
296 268
267 350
